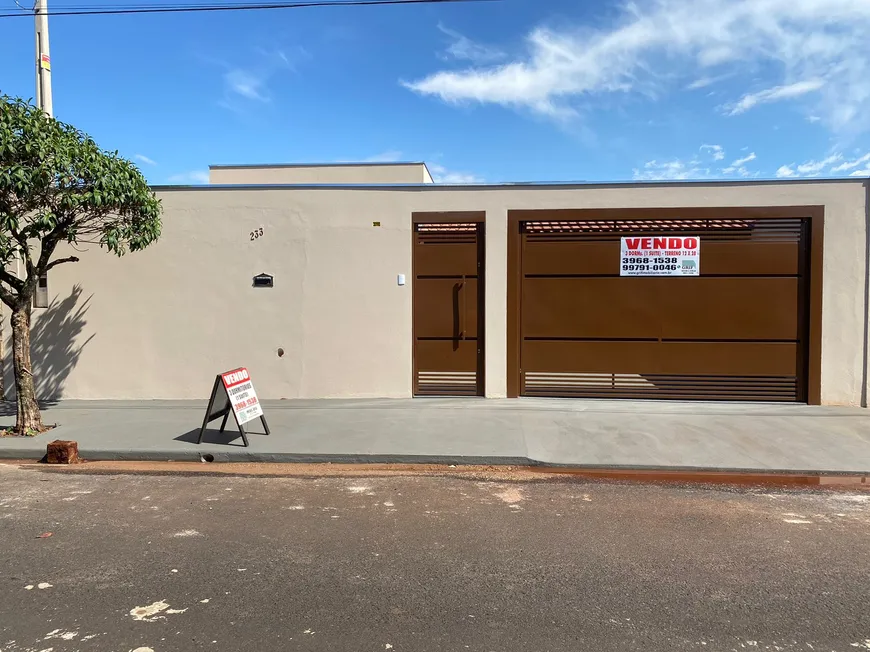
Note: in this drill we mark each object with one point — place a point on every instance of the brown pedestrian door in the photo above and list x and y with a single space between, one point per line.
737 331
448 307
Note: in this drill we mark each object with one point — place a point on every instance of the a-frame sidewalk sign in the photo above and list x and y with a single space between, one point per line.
233 392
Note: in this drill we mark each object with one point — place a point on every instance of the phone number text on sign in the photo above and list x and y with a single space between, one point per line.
660 256
240 389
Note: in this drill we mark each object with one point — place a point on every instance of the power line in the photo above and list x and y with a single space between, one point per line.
180 8
68 9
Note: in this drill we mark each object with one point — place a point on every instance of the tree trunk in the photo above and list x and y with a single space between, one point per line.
2 359
29 419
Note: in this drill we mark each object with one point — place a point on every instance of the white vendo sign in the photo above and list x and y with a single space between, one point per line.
243 398
660 256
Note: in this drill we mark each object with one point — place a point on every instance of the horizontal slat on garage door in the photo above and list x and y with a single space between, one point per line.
786 229
681 358
755 308
550 258
695 387
447 383
446 367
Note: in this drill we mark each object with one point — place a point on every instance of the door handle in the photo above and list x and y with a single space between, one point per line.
463 308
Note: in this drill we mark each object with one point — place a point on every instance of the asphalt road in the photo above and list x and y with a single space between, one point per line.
426 563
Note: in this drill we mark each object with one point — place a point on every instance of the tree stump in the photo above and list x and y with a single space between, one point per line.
62 452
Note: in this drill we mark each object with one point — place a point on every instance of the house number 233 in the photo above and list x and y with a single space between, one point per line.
257 233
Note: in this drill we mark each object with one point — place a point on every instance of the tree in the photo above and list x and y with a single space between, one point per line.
57 186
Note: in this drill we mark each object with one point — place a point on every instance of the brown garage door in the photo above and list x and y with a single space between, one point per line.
737 331
448 304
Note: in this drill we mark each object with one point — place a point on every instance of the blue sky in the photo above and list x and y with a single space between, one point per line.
515 90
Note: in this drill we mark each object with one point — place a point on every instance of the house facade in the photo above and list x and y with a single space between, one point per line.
386 285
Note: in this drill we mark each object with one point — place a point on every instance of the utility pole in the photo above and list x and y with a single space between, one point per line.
43 101
43 60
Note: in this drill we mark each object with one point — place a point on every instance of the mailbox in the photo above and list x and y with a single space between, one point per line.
263 281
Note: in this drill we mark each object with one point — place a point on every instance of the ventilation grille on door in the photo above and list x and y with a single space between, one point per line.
446 233
717 230
647 386
446 383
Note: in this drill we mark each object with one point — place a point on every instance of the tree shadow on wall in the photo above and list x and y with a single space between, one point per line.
54 344
54 348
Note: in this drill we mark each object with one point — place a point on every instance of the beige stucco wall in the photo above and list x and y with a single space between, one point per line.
161 323
358 173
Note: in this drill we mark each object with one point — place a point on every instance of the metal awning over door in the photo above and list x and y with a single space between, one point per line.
738 331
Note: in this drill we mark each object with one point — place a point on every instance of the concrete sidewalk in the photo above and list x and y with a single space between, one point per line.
553 432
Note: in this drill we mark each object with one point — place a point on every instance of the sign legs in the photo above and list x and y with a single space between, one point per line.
210 413
241 428
219 406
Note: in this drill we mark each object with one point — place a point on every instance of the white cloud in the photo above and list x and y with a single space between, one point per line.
848 165
738 167
655 45
775 94
440 174
251 80
812 168
144 159
715 150
463 48
686 169
700 83
704 82
738 170
675 170
193 176
743 161
389 156
247 84
281 59
830 166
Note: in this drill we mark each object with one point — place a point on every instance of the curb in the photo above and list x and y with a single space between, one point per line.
247 456
224 461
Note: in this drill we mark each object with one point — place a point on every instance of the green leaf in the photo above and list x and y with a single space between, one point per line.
58 179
